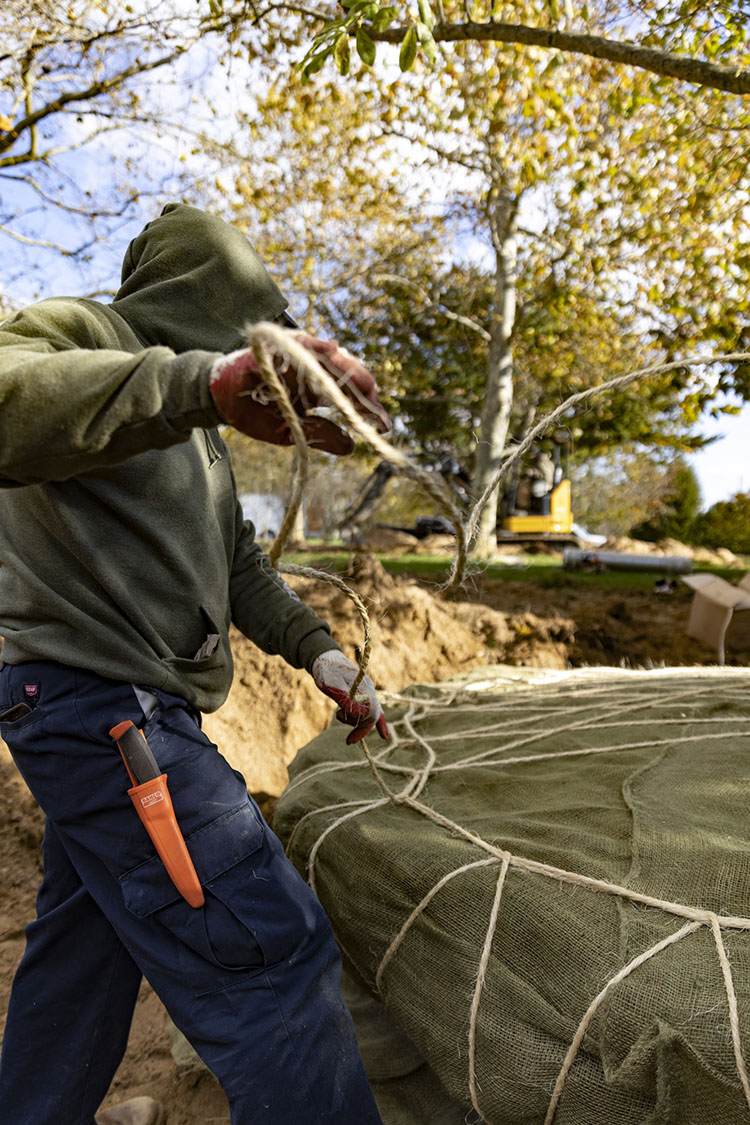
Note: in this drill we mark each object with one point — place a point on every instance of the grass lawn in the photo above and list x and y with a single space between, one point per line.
544 570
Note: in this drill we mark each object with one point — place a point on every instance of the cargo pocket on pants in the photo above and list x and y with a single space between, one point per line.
258 911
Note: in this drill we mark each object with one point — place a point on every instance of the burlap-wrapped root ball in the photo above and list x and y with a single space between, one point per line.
549 890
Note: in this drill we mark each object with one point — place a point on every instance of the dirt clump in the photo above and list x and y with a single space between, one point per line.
621 627
436 545
389 539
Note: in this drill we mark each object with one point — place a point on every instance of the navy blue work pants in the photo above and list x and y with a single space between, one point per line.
251 978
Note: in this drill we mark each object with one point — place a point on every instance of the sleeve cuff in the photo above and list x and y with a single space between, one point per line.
311 646
191 403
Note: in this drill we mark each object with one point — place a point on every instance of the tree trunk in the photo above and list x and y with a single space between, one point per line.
297 532
499 388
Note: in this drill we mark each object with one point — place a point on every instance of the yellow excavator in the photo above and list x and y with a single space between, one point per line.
558 520
537 506
534 509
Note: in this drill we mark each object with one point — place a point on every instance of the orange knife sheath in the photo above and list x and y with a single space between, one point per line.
153 804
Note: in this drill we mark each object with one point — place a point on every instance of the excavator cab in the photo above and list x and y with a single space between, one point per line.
537 505
558 520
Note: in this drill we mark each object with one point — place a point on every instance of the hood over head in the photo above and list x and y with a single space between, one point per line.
192 281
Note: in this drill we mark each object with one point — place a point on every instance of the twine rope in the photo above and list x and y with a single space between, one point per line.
479 986
688 928
734 1017
694 917
421 775
269 340
359 605
265 359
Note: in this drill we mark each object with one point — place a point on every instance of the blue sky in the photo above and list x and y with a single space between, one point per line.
723 468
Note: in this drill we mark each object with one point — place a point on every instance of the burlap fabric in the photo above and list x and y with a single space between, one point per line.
636 784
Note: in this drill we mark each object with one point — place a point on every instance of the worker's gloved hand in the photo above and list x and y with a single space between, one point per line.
334 674
240 399
354 379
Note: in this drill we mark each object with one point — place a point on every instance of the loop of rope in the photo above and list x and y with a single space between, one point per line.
275 384
334 580
268 339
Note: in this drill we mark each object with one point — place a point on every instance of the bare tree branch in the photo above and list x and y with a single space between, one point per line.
297 9
95 89
82 37
454 157
734 80
85 212
44 243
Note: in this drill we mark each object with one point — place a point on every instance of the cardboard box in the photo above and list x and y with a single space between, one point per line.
714 604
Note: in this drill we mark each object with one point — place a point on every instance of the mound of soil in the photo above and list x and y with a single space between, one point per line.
704 556
273 709
419 634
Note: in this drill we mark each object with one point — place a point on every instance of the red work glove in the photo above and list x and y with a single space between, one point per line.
334 674
236 374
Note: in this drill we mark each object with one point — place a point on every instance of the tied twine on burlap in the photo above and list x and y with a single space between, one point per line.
415 778
268 341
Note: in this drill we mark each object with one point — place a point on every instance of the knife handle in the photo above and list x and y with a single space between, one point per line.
136 752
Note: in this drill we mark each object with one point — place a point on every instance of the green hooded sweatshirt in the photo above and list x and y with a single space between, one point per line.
122 543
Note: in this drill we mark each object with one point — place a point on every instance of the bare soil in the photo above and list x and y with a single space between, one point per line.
419 634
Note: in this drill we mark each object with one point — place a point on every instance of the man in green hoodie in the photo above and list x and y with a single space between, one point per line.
124 560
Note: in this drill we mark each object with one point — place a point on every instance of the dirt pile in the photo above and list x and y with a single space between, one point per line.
389 539
703 556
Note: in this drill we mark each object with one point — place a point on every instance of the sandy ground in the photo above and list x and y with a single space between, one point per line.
419 634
